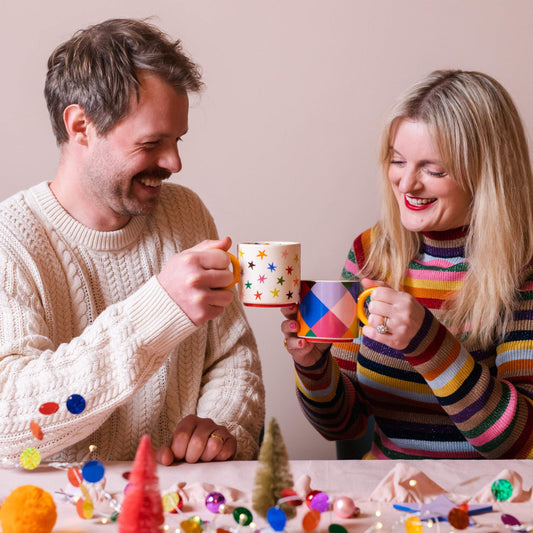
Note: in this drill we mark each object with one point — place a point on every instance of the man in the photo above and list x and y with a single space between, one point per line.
112 281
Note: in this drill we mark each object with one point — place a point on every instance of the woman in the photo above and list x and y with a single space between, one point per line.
446 364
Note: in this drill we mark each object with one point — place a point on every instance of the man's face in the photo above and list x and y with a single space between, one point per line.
125 167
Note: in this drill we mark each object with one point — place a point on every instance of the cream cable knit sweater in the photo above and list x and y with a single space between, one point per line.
81 312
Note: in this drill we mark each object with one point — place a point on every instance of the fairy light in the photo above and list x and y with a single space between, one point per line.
412 482
378 513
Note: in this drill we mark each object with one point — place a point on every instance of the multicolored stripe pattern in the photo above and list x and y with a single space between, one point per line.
434 399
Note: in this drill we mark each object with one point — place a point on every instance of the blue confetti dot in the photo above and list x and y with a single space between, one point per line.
276 518
93 471
76 404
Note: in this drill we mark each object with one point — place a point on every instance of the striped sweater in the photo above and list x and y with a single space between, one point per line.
441 401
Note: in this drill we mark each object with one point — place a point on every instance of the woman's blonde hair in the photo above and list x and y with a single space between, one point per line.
481 140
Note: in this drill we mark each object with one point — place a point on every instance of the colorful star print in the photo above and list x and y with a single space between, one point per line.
268 272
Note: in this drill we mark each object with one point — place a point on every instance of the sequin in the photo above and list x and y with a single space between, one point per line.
320 502
93 471
171 502
458 518
242 516
76 404
413 525
85 509
276 518
336 528
48 408
74 476
36 430
30 458
502 489
311 520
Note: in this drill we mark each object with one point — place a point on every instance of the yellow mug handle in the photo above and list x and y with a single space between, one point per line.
236 267
361 305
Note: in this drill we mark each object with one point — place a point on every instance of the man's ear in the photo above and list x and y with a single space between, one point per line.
76 124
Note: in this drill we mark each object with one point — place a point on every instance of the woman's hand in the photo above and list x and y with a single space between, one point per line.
304 353
398 311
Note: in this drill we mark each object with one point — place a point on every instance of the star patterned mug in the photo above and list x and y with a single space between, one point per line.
270 273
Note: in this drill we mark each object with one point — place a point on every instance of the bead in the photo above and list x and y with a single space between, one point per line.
276 518
502 489
309 497
214 500
76 404
93 471
311 520
344 507
320 502
188 526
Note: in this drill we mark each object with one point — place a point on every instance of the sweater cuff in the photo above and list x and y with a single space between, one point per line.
157 319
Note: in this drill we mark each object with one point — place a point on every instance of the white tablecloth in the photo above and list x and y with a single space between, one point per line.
356 479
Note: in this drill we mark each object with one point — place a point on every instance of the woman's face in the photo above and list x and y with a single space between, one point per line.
428 197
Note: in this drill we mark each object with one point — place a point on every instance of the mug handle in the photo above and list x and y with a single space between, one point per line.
361 305
236 267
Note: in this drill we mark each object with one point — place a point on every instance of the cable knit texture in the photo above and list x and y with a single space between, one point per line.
435 399
81 312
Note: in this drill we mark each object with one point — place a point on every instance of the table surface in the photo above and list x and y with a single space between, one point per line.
356 479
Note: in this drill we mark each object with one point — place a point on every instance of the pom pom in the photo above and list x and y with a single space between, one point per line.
28 509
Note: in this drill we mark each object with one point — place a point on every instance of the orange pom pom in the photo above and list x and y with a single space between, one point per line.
28 509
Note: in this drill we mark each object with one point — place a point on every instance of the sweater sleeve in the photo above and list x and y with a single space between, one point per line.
105 364
232 391
328 392
493 410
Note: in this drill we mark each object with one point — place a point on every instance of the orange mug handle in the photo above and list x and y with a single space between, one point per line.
236 267
361 305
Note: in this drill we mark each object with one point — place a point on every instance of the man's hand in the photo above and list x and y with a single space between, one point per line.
195 280
198 439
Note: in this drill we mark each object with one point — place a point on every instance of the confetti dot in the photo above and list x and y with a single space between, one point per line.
502 489
458 518
413 525
30 458
213 501
93 471
85 509
172 502
36 430
74 476
76 404
242 516
311 520
276 518
48 408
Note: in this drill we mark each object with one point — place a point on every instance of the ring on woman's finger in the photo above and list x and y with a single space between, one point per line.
382 328
285 342
216 435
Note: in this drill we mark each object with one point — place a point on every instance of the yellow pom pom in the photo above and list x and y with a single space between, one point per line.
28 509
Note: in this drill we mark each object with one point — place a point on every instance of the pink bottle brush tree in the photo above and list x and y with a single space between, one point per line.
142 508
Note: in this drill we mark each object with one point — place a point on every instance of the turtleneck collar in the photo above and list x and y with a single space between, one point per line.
449 243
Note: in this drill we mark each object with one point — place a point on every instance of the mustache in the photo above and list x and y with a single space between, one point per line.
156 173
